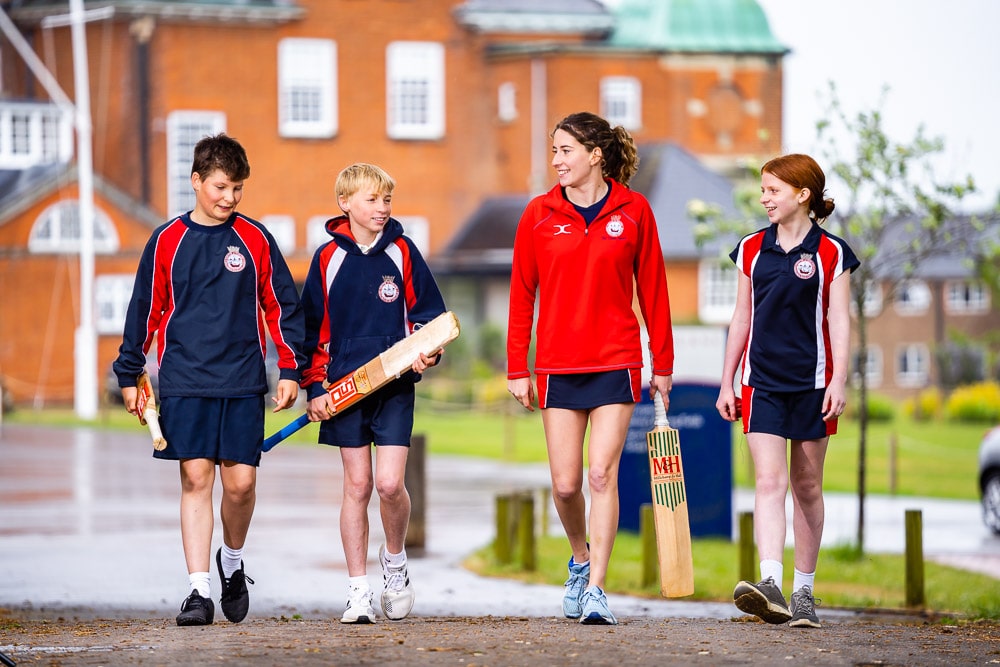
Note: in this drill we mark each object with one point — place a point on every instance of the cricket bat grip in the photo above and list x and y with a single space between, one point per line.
286 431
659 412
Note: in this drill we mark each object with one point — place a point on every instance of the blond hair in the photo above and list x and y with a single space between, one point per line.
353 178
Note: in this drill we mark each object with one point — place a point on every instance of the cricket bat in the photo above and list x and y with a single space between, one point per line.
670 508
381 370
145 403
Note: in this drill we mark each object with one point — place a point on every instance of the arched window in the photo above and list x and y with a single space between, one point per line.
57 230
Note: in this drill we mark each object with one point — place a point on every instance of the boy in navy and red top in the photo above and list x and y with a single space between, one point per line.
209 285
791 331
367 289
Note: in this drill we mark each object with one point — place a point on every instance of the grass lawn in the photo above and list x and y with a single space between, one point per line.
845 580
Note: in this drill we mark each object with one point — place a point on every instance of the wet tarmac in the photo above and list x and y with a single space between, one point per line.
88 520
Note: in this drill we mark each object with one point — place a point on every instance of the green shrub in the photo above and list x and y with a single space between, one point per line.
880 408
975 403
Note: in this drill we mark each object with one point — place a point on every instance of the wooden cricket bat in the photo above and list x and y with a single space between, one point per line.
381 370
670 508
145 403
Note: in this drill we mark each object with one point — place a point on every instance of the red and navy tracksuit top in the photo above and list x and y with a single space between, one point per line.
207 293
584 277
358 305
788 347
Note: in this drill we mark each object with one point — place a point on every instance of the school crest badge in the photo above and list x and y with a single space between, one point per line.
615 228
388 291
805 267
234 261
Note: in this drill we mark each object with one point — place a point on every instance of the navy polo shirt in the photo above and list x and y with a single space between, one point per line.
788 348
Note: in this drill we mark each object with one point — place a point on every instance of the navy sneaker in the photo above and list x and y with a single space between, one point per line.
235 600
196 610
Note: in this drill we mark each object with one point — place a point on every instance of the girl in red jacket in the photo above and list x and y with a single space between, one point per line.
581 247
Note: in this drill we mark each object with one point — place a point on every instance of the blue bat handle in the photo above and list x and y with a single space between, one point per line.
285 432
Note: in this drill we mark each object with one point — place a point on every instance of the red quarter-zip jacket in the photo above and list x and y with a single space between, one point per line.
584 279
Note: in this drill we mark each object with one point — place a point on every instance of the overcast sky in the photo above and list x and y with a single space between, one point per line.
941 61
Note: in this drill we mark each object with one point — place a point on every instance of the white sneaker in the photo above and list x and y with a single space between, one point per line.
397 595
359 606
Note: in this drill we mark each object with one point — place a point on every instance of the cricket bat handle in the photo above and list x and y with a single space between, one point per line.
286 431
146 410
153 422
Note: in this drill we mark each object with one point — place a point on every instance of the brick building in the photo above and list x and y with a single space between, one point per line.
455 98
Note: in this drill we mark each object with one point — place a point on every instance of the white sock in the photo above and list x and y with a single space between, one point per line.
358 583
201 582
395 560
773 569
803 579
231 560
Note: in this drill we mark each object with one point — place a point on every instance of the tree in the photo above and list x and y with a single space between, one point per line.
891 210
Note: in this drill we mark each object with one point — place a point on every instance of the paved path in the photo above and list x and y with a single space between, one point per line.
89 520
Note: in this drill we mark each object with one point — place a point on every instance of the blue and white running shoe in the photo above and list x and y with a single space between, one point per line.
595 608
579 575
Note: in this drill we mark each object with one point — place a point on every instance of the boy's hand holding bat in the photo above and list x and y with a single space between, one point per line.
321 407
140 401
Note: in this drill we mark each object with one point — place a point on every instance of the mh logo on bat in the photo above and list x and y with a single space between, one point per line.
666 468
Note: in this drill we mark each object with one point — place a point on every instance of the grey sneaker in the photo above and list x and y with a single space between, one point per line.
804 609
763 599
579 576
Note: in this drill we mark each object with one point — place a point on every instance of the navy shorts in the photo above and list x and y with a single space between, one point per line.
585 391
792 415
386 418
221 429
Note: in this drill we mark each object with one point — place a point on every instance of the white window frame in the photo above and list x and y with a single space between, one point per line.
507 102
912 365
913 297
112 293
874 368
415 75
621 101
717 286
307 88
873 299
282 228
32 134
967 297
316 232
184 130
57 230
418 228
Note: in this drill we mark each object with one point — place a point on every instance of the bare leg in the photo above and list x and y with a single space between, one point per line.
239 497
608 428
564 433
394 500
771 472
354 509
197 520
808 512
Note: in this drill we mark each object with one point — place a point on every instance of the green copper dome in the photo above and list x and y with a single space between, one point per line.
694 26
